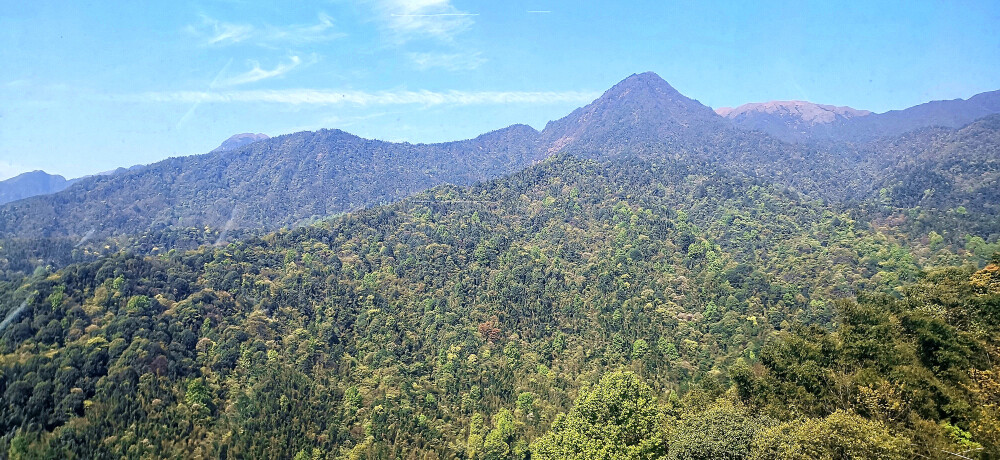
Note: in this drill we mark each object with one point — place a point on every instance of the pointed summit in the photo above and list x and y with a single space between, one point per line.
646 81
640 110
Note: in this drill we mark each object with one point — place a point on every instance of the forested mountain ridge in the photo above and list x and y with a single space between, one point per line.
266 184
947 168
937 183
461 322
860 126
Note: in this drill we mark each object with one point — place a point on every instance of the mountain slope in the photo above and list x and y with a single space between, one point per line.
948 168
31 184
267 184
291 178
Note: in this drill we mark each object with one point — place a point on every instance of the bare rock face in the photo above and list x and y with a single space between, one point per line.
239 140
802 110
792 121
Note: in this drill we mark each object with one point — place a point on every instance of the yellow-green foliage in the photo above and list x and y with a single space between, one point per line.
840 435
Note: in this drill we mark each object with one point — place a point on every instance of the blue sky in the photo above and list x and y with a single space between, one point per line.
90 86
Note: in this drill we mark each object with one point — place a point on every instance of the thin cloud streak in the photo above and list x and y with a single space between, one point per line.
214 32
410 19
362 98
258 74
447 61
301 33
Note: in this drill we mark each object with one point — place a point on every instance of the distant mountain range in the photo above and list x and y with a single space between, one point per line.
798 121
252 181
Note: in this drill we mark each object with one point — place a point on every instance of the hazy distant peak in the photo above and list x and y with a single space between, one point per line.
31 184
38 173
239 140
804 110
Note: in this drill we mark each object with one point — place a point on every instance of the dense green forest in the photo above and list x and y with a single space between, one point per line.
576 309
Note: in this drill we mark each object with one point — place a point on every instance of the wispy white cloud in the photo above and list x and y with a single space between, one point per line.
447 61
256 73
409 19
329 97
214 84
214 32
321 31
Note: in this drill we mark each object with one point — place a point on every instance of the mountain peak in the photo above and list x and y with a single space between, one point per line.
647 84
642 107
644 77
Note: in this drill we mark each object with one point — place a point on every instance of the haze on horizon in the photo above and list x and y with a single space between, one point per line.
89 88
